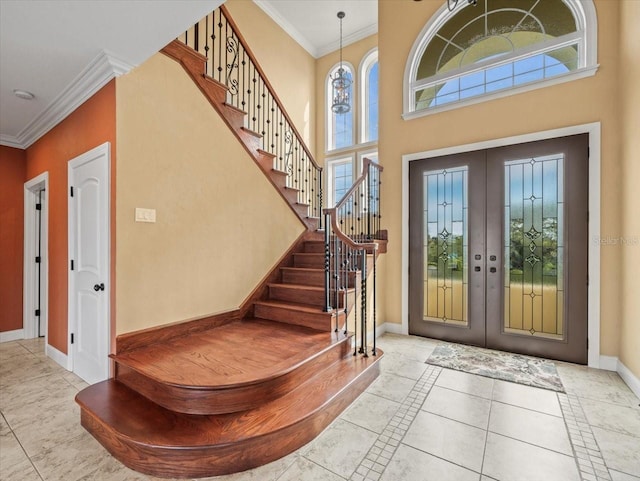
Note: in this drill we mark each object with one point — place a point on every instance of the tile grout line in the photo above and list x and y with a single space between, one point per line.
587 454
379 455
21 446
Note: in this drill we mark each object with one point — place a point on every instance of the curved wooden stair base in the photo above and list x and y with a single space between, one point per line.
232 368
153 440
216 93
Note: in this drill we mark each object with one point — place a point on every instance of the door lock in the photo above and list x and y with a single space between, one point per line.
99 287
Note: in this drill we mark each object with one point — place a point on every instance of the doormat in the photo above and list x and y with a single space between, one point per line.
516 368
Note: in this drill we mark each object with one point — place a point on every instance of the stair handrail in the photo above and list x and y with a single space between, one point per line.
272 106
346 252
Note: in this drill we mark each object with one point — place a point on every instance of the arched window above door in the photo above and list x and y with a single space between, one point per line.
498 47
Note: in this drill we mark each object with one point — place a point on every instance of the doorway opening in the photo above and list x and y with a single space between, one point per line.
498 248
36 258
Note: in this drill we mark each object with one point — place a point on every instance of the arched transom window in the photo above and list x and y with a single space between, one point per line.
497 45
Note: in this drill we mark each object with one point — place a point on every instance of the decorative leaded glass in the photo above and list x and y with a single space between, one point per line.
495 45
445 246
534 246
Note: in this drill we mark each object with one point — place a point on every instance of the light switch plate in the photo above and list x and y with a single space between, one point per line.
145 215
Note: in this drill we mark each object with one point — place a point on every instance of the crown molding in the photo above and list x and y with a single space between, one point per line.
102 69
10 141
348 40
288 27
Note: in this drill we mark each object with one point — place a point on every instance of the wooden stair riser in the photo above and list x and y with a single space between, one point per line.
322 321
313 297
312 276
203 401
210 459
308 260
305 276
316 247
235 116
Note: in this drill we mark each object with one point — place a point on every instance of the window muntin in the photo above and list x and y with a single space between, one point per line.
340 178
340 127
369 97
455 49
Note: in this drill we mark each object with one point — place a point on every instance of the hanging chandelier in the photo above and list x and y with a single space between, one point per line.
341 83
452 4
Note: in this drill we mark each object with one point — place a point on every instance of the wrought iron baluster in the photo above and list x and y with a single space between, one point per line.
374 351
327 269
220 47
363 304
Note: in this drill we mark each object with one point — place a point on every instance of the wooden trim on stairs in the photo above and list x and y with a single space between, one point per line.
145 337
216 93
254 59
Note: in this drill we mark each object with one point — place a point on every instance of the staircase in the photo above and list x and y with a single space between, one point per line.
240 389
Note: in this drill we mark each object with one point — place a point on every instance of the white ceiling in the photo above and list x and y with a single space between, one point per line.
63 51
314 23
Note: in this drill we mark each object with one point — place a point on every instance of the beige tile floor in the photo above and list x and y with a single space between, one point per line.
416 422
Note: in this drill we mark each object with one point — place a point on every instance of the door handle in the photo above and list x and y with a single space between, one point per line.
493 269
99 287
477 269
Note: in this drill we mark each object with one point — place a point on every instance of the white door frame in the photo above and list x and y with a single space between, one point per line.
101 150
593 129
29 299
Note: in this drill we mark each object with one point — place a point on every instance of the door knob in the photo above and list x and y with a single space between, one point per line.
99 287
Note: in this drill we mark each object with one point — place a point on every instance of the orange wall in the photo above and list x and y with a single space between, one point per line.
90 125
12 177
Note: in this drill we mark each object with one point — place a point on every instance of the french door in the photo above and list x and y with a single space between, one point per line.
498 245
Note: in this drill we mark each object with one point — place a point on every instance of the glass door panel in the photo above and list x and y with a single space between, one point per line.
446 241
534 243
445 245
537 230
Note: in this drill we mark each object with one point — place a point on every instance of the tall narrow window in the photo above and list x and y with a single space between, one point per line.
340 178
497 46
369 97
340 127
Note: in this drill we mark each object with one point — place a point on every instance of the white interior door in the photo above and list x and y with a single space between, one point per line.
89 264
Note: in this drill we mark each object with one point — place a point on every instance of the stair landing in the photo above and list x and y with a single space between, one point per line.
230 368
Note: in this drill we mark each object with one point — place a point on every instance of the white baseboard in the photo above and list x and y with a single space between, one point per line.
629 378
612 363
8 336
57 356
390 327
608 363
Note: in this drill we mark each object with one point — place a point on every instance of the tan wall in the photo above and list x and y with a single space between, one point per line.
289 67
221 226
630 156
352 54
588 100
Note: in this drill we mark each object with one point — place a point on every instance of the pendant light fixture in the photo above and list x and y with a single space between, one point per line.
452 4
341 83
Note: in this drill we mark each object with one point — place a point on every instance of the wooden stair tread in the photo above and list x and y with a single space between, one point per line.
293 306
301 287
136 418
233 355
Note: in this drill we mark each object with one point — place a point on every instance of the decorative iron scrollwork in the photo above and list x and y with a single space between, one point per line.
233 48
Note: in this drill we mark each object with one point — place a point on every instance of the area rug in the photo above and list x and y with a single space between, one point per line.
498 365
